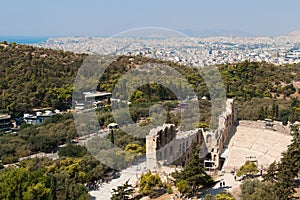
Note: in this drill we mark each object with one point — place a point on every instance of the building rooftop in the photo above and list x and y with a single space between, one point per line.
95 94
4 116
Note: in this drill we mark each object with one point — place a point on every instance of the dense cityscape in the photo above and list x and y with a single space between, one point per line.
191 51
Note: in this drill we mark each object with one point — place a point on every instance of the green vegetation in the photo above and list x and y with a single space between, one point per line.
248 80
46 137
150 184
33 77
273 88
122 140
135 148
122 192
193 175
288 168
48 75
221 196
58 130
248 169
72 151
61 179
255 189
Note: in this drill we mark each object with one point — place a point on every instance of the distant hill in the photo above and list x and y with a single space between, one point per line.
295 34
216 32
33 77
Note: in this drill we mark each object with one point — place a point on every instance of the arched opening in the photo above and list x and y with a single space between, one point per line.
171 151
208 156
208 139
159 156
165 154
221 162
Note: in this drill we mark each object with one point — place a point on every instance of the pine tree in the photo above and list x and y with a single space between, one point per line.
276 111
123 192
287 170
53 188
273 110
194 173
262 113
271 173
248 169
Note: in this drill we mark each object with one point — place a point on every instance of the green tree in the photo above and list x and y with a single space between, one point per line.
72 151
221 196
182 186
203 125
21 183
150 184
279 182
272 170
122 192
255 189
194 173
209 197
37 192
135 148
248 169
288 168
224 196
273 110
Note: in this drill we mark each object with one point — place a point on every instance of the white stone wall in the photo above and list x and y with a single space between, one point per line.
166 145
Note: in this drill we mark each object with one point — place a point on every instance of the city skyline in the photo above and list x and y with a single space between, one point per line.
105 18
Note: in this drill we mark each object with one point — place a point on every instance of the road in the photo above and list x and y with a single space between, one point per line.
132 174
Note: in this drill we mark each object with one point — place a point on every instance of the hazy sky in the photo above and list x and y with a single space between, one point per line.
107 17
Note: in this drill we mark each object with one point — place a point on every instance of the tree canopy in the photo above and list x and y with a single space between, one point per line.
150 184
45 179
248 169
122 192
193 176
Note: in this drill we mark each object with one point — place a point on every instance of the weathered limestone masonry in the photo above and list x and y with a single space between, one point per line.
216 139
166 145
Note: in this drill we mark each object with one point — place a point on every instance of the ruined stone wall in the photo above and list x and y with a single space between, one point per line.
158 140
168 146
220 136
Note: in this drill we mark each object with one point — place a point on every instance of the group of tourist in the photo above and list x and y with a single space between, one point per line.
95 185
222 183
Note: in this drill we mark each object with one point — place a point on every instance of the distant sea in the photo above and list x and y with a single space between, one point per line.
24 39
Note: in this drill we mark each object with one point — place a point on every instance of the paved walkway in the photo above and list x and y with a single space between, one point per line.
230 185
132 174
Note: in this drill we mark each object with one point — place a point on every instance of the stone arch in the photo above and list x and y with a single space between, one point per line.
215 157
208 138
171 150
165 154
166 134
